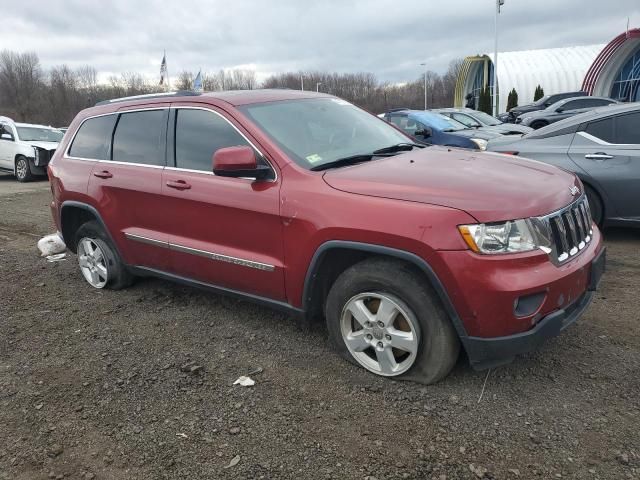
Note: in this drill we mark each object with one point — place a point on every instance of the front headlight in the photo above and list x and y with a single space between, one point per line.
507 237
482 144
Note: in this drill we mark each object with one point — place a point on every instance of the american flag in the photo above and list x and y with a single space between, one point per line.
163 69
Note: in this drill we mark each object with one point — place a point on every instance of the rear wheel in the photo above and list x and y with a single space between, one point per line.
98 259
382 316
23 173
595 205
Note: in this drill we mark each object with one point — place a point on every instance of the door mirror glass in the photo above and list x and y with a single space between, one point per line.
238 162
7 136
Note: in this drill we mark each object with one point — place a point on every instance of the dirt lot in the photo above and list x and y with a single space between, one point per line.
91 385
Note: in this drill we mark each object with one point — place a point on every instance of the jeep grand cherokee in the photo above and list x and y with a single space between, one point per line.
306 203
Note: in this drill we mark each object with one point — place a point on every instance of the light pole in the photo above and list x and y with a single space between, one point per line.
301 83
499 3
318 86
425 84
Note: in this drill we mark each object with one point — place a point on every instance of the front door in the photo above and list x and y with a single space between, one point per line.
223 231
608 150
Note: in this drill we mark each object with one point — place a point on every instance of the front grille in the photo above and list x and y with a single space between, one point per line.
571 229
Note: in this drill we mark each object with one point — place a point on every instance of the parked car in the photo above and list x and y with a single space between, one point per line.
306 203
602 147
436 129
476 119
563 109
25 149
541 103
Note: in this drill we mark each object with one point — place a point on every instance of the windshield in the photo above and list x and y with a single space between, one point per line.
438 121
542 101
485 118
35 134
315 132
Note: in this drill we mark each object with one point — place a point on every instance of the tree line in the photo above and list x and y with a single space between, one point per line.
30 93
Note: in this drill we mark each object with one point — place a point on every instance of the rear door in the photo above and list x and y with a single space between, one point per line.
127 185
608 149
223 231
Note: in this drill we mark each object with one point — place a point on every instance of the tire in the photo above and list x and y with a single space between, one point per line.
114 274
595 205
539 124
23 172
420 322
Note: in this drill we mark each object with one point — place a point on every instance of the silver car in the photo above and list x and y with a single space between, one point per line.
477 119
563 109
602 147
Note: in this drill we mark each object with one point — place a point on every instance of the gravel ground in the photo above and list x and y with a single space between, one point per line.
139 384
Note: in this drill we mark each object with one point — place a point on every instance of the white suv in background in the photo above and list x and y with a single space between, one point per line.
25 149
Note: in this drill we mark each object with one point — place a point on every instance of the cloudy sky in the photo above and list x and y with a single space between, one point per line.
389 38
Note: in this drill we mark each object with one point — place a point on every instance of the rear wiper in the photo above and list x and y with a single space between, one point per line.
350 160
398 147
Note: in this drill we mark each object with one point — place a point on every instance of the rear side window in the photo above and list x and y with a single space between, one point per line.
140 137
628 128
199 133
94 138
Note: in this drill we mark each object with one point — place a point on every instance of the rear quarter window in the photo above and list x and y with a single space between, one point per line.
93 139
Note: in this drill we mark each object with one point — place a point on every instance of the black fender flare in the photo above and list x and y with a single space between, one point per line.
391 252
94 212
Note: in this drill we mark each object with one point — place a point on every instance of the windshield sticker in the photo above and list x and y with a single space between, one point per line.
315 158
339 101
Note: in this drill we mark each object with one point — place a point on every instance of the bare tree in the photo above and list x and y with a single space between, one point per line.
20 83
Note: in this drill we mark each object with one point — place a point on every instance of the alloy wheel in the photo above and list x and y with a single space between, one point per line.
381 333
21 168
92 263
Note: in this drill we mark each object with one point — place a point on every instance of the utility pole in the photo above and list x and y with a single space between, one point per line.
318 86
425 84
301 83
499 3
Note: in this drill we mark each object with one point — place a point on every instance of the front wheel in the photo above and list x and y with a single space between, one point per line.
382 316
23 172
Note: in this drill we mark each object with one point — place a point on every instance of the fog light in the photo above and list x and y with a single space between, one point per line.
527 305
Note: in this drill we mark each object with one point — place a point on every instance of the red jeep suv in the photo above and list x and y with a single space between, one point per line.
306 203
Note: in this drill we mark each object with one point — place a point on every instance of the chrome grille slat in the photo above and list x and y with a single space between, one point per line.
570 229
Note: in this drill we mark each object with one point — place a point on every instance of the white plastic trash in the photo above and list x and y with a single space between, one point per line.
245 382
51 245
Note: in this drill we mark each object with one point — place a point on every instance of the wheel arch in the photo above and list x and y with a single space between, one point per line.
73 215
323 272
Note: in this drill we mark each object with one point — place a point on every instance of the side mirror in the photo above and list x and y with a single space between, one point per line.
238 162
426 132
7 136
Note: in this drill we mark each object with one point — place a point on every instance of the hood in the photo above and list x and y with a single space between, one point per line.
524 109
511 129
483 132
45 145
489 186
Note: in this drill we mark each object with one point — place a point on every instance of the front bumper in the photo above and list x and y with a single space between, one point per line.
488 293
490 352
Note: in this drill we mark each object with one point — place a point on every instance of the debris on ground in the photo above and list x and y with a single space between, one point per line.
58 257
245 381
234 461
51 245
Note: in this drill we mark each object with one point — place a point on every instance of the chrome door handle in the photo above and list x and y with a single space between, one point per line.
598 156
103 174
178 184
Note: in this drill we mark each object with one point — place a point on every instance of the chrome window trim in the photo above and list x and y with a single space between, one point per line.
201 253
73 139
188 107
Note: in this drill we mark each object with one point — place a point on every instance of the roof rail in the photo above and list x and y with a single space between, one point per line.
178 93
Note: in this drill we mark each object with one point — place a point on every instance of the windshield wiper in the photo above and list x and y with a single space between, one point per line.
398 147
350 160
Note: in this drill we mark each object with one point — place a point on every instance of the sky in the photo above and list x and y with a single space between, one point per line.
388 38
